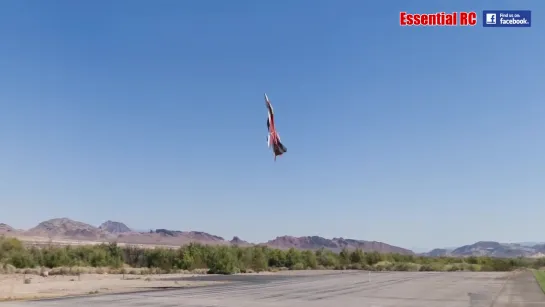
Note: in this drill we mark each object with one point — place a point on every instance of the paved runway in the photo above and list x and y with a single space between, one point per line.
340 289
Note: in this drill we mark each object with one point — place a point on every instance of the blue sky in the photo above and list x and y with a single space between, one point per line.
153 115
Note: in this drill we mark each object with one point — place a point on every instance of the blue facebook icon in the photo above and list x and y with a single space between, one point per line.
507 19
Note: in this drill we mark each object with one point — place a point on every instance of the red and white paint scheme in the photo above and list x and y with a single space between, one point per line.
273 139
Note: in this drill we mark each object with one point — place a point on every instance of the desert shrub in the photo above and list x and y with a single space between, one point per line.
355 266
326 258
222 261
198 258
9 268
426 268
259 261
298 266
384 266
406 266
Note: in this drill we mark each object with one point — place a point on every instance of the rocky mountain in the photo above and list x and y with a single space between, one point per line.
335 244
491 249
238 241
114 227
530 243
438 252
494 249
67 228
169 237
5 228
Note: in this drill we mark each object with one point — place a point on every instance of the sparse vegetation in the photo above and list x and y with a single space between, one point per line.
540 277
75 260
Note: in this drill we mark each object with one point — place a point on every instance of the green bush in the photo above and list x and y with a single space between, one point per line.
232 259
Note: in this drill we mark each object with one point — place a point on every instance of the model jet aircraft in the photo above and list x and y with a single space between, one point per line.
273 139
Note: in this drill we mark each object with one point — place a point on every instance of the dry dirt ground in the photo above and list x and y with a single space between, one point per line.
13 286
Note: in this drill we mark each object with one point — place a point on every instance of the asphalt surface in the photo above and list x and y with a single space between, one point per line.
342 289
522 290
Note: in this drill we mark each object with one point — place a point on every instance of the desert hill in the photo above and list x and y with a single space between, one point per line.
238 241
114 227
67 229
491 249
109 231
335 244
5 228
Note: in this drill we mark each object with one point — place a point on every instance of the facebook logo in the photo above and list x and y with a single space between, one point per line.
490 19
507 19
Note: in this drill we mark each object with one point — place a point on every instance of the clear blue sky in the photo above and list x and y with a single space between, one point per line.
153 115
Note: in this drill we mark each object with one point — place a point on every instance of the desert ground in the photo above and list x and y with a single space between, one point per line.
20 286
318 288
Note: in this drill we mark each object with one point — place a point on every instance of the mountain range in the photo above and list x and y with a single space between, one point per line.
68 229
492 249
